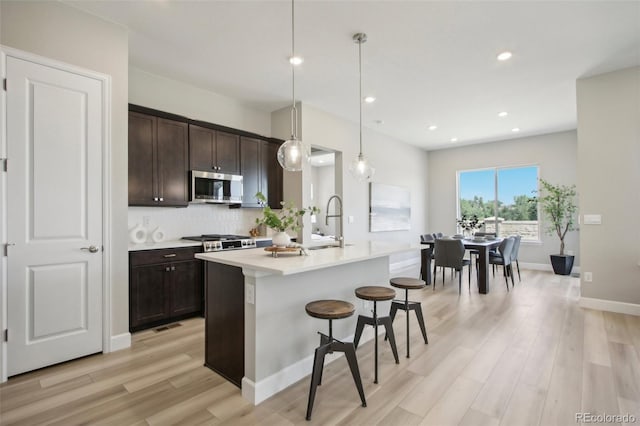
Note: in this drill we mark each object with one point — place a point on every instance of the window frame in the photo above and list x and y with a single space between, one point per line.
496 170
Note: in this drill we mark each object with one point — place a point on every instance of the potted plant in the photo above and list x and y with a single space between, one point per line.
287 218
469 225
558 204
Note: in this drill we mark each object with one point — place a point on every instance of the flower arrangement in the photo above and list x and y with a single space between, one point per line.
470 224
289 217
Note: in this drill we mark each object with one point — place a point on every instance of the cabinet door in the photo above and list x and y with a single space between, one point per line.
250 169
274 175
227 153
142 181
148 298
186 288
173 163
201 148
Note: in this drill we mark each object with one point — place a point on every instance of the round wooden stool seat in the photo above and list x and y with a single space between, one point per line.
407 283
330 309
375 293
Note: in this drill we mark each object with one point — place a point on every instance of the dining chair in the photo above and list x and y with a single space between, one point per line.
449 253
514 253
503 257
425 238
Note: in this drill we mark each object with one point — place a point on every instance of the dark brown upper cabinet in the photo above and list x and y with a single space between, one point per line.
213 150
158 161
260 172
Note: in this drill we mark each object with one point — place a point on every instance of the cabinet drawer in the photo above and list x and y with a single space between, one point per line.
150 257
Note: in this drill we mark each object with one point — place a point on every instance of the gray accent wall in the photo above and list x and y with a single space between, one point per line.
554 154
609 180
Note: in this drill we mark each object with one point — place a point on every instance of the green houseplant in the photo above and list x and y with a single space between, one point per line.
286 219
559 205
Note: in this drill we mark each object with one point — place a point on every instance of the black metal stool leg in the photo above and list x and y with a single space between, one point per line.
406 309
316 376
350 354
418 309
359 327
375 328
388 326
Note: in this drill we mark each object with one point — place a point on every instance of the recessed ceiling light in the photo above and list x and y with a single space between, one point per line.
433 127
370 99
515 129
296 60
504 56
454 139
503 114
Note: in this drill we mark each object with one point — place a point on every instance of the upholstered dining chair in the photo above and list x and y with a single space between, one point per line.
514 253
449 253
503 258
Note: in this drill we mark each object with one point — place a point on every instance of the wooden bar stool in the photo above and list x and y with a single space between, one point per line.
330 310
375 294
406 305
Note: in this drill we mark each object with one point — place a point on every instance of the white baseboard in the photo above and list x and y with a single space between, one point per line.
403 264
545 267
120 341
610 306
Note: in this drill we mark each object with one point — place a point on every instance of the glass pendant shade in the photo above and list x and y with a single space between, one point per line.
361 169
292 154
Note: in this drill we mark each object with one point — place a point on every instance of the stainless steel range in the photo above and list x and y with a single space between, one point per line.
218 242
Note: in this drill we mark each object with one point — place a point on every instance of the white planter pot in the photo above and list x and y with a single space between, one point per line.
281 239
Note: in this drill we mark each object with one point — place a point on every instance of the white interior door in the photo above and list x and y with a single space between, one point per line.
54 215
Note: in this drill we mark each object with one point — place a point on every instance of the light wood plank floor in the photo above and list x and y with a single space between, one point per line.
527 357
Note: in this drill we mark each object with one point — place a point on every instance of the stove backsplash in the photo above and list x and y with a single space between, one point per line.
194 220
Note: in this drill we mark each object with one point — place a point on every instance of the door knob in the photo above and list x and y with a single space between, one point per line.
91 249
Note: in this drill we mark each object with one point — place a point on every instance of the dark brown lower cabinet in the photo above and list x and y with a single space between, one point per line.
164 286
224 321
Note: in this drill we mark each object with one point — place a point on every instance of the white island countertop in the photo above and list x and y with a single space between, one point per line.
293 263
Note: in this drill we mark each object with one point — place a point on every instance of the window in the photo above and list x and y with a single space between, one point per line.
501 197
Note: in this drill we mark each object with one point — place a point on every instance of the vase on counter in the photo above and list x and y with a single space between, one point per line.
138 234
281 239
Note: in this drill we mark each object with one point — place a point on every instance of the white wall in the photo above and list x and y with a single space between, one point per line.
554 153
63 33
405 167
164 94
609 177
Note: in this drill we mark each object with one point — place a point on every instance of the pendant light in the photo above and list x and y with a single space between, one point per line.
293 153
360 168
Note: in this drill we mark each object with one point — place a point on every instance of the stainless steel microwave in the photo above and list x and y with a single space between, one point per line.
215 188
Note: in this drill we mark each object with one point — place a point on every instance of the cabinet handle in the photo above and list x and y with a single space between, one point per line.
170 255
161 199
155 198
167 269
173 268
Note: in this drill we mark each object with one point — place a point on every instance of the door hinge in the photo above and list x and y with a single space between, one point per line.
6 335
4 84
4 164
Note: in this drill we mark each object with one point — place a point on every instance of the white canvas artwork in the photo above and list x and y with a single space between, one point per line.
389 208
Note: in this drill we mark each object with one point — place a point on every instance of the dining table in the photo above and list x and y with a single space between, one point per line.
482 246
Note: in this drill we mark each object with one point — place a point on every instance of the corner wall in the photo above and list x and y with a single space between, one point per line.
554 153
608 177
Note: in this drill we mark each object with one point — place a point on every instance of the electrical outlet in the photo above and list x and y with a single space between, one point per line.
350 219
588 277
146 220
250 294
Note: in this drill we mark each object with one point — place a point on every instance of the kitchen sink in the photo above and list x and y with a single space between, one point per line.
322 247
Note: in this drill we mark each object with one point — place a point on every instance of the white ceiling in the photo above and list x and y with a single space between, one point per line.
425 62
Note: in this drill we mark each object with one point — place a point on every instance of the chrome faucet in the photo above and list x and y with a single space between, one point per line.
340 237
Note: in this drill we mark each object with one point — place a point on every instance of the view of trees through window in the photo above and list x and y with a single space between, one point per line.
501 198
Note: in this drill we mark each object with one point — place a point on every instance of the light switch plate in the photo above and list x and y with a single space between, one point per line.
592 219
250 294
350 219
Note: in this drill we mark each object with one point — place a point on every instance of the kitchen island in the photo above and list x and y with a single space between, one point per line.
279 337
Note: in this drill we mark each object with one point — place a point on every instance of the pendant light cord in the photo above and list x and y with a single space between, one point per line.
360 94
294 111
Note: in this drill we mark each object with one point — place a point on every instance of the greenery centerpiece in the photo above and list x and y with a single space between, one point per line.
288 218
470 224
559 205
